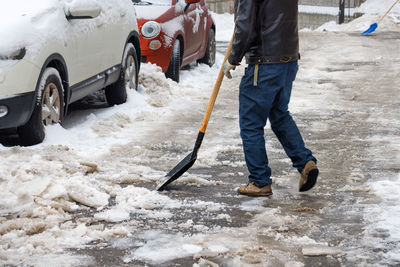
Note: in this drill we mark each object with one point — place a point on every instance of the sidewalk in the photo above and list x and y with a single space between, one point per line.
55 210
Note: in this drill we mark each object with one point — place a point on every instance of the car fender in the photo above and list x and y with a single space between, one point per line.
164 61
133 37
178 35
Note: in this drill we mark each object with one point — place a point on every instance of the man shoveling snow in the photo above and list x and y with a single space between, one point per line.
266 33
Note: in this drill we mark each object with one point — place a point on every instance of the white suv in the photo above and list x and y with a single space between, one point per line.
54 52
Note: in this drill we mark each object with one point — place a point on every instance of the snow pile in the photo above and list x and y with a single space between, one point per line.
42 185
132 199
372 10
86 194
379 7
157 86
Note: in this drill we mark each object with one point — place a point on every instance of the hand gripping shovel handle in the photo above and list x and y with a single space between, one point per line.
189 160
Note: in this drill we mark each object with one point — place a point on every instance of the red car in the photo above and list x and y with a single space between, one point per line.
173 33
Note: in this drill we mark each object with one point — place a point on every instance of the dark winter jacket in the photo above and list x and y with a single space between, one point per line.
265 31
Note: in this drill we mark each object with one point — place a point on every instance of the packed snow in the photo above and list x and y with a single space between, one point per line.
42 192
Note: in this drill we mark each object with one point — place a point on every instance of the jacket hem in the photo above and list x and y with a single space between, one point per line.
271 59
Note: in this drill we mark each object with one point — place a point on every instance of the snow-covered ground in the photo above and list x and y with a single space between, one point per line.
82 184
373 10
385 215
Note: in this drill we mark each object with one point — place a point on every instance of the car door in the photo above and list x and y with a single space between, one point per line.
90 47
202 11
115 34
192 28
101 40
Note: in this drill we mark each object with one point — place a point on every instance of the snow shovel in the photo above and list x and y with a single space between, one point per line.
373 26
189 160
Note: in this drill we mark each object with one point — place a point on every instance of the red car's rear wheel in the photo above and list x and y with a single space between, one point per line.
209 56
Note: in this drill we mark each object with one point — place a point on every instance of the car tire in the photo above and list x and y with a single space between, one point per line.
116 93
209 56
175 62
48 108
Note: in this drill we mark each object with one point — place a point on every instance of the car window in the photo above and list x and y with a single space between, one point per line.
152 2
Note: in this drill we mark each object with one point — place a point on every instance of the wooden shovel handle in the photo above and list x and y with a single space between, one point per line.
215 91
387 12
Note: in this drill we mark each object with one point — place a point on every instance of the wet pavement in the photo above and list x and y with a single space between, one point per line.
340 136
345 86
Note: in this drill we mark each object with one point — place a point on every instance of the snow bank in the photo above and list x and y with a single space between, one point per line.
372 10
41 185
379 7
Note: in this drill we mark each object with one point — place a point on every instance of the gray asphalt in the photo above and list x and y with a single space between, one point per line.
349 118
339 136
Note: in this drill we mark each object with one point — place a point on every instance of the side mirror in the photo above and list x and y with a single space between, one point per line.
85 10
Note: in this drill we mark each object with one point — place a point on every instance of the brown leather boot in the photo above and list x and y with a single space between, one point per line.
253 190
308 176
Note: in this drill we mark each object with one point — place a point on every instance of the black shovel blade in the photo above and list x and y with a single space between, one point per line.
178 170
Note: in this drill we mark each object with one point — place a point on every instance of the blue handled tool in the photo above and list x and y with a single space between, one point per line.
373 26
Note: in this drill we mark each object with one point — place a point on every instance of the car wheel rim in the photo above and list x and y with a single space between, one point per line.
212 51
51 105
130 73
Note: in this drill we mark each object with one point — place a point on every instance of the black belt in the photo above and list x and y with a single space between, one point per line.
272 59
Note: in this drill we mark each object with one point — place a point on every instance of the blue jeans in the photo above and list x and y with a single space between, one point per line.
269 99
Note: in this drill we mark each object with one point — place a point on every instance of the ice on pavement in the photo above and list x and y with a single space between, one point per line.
42 197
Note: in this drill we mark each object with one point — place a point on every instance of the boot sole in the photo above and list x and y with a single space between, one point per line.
255 194
311 180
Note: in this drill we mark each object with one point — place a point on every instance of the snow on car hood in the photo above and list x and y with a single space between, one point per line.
32 24
28 23
150 12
